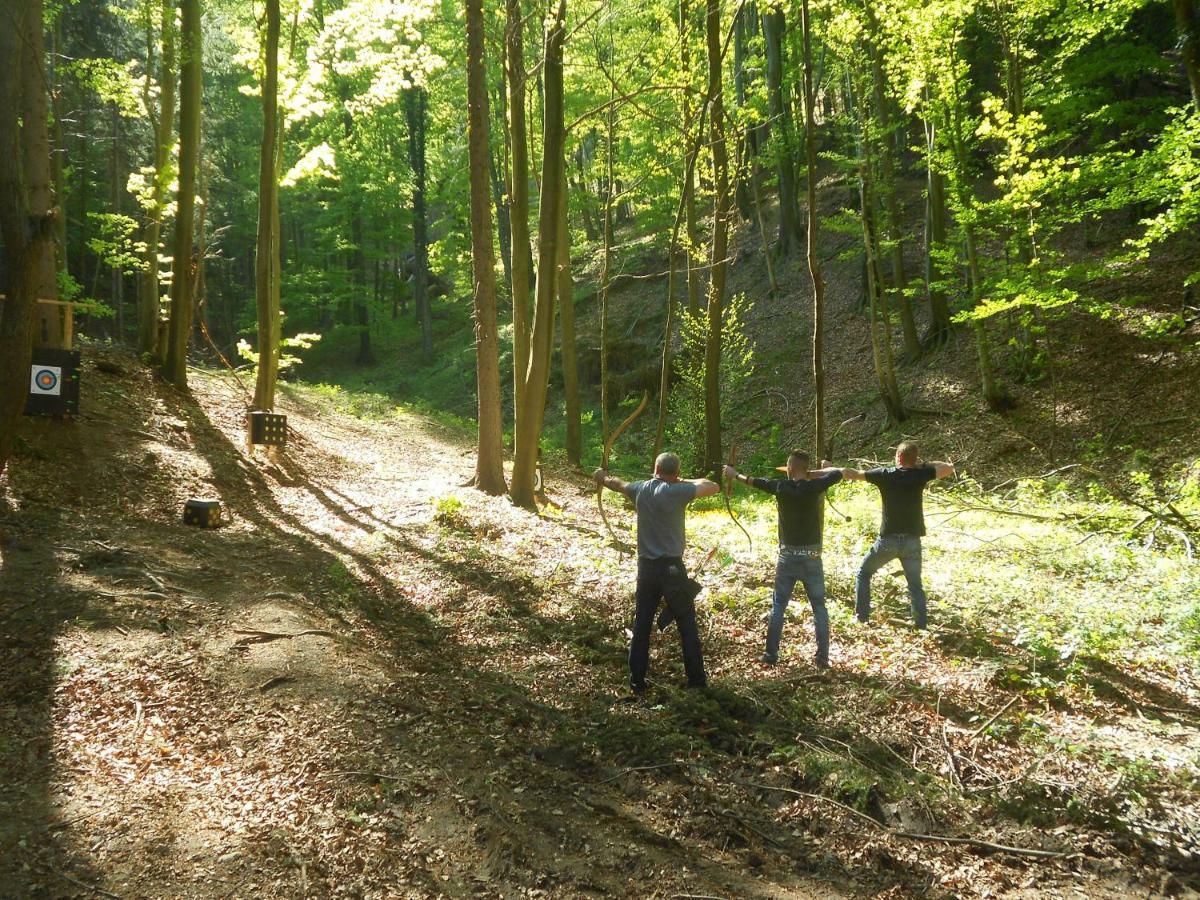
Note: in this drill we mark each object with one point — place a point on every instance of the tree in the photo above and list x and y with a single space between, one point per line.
267 262
774 26
718 259
518 192
569 356
162 121
26 217
182 284
526 439
489 460
814 262
416 102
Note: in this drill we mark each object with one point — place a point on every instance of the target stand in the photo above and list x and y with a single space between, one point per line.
53 383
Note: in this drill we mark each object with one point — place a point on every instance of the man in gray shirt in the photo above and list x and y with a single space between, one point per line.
661 503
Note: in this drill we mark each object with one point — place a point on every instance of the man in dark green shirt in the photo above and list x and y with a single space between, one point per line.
800 498
901 488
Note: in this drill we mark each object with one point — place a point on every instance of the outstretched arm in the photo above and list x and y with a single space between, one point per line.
704 487
601 477
943 469
853 475
731 472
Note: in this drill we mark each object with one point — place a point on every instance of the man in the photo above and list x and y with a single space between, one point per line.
902 487
800 498
661 503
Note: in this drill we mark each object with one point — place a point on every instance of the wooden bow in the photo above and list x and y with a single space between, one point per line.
729 491
608 445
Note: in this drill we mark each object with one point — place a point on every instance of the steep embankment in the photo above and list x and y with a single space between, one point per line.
1113 386
451 723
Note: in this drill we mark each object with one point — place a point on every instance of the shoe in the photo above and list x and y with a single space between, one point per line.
637 690
862 620
768 659
821 664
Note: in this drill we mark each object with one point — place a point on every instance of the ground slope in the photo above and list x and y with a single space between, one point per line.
453 723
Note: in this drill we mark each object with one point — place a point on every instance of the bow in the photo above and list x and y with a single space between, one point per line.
729 491
608 445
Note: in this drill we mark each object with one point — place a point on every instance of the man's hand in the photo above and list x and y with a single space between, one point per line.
944 469
599 476
826 464
731 473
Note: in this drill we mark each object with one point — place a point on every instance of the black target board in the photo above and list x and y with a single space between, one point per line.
53 383
268 428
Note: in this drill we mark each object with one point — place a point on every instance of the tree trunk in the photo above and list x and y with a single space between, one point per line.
689 164
720 242
149 299
267 263
415 104
522 261
785 143
1189 44
525 453
26 218
908 326
745 149
191 72
935 243
362 316
566 305
489 462
814 261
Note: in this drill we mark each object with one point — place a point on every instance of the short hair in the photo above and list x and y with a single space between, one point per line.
800 456
907 451
667 464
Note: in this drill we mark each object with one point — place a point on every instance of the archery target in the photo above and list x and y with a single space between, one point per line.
45 381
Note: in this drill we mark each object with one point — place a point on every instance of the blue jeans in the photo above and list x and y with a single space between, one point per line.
799 564
907 549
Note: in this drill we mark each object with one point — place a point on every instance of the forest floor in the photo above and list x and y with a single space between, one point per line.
374 682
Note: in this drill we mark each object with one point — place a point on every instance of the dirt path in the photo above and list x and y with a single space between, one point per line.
451 723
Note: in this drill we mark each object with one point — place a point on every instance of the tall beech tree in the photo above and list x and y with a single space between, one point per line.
489 459
26 215
162 120
527 438
719 257
182 281
520 256
267 289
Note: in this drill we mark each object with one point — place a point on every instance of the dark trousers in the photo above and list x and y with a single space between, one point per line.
664 579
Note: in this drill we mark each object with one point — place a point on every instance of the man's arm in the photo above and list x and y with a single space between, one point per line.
854 475
759 483
601 477
704 487
943 469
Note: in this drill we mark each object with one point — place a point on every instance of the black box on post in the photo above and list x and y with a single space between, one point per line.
53 383
268 428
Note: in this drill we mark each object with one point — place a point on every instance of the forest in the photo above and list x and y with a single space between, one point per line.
339 338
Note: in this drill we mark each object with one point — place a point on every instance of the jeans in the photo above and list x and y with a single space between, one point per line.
660 579
907 549
799 564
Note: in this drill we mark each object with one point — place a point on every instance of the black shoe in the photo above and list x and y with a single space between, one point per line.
822 665
768 659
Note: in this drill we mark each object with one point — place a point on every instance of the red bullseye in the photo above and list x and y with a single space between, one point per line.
46 380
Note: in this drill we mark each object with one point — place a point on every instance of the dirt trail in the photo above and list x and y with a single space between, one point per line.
147 751
450 727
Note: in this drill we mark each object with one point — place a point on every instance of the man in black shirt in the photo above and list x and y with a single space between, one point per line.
901 487
800 498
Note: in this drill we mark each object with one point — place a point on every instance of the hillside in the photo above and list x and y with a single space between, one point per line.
453 724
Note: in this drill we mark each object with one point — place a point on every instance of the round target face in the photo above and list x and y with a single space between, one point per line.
45 380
